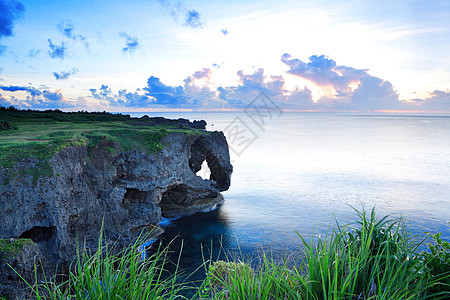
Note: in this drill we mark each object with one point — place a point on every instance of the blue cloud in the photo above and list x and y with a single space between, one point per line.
135 99
13 88
56 51
323 71
224 31
439 101
192 18
67 29
122 98
53 96
374 93
10 11
65 75
35 99
165 94
34 52
132 43
104 92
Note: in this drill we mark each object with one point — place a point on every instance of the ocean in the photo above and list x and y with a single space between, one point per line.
301 172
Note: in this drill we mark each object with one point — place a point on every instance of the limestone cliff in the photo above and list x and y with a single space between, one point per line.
127 191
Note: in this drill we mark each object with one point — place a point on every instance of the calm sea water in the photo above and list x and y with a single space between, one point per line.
302 170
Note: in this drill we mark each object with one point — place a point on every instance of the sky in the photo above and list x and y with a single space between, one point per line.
166 55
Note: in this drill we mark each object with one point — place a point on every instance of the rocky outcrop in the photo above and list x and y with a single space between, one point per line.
17 261
125 192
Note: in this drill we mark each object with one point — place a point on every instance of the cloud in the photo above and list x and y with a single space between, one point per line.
191 16
250 86
224 31
13 88
192 19
67 29
323 71
56 51
165 94
132 43
438 101
34 52
174 7
65 75
103 93
10 11
374 93
53 96
135 99
353 89
122 98
35 98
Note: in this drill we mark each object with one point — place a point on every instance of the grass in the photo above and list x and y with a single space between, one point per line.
369 259
108 274
9 248
40 135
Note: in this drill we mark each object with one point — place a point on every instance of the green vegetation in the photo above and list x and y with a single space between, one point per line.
370 259
439 262
41 134
111 275
9 248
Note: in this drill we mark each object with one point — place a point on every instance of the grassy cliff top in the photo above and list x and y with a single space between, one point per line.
41 134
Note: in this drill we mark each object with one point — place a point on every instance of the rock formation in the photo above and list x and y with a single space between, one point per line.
125 191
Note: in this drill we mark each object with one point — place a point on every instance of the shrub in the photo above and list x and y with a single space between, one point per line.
438 263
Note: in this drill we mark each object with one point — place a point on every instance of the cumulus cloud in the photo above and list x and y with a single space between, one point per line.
13 88
65 75
166 94
345 89
354 89
56 51
374 93
122 97
192 18
323 71
103 93
131 43
250 86
34 98
10 11
67 29
438 101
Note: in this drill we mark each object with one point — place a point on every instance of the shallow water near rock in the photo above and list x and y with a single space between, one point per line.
302 170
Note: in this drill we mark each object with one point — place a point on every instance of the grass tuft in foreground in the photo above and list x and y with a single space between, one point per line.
368 259
371 259
107 274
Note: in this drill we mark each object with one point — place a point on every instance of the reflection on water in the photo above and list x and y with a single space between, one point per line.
304 169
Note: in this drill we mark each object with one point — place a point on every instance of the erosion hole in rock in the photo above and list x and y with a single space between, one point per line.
133 196
202 154
204 172
39 233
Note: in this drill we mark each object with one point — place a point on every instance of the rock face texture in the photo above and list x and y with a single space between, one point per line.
124 191
18 257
